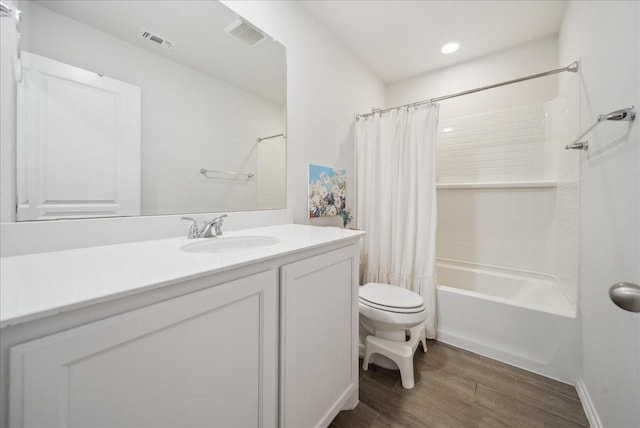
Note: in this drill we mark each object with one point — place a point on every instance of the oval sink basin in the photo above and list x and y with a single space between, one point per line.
229 244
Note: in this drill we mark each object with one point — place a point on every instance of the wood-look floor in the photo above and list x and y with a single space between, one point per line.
457 388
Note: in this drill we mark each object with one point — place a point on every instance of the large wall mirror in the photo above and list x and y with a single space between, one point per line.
146 108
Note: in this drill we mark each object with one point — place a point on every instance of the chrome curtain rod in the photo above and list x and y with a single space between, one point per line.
270 136
573 67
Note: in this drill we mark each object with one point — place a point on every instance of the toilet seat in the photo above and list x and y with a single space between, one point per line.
391 298
392 309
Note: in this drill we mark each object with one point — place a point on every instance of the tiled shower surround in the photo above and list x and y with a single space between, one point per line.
515 201
507 145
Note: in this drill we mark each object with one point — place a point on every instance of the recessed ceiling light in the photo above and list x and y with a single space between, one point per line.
451 47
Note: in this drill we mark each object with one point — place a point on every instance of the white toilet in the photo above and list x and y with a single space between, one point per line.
388 314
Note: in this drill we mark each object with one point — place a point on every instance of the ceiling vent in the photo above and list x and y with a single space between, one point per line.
155 38
245 32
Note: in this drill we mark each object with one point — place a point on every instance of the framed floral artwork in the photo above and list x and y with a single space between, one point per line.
327 191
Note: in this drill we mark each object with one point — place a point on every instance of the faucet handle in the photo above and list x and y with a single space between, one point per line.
217 223
194 232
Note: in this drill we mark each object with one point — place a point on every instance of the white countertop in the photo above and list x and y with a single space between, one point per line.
37 285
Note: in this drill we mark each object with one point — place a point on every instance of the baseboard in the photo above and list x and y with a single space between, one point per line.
587 405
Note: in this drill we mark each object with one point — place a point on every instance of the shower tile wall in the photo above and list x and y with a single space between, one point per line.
507 145
565 232
533 229
562 127
500 227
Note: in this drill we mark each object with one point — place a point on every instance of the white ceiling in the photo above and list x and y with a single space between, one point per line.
400 39
197 34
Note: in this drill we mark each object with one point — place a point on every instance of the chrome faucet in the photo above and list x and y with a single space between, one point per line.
194 232
210 229
213 228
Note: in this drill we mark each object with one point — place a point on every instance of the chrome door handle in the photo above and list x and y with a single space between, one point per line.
626 295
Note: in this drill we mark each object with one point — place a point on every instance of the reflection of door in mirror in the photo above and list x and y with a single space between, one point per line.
78 143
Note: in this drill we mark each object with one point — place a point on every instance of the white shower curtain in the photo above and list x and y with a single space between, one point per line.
396 200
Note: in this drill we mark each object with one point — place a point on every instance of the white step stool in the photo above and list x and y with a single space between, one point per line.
400 353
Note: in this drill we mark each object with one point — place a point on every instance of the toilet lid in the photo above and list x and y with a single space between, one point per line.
390 296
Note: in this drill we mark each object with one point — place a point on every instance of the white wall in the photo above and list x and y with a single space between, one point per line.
326 87
190 120
530 58
605 36
8 52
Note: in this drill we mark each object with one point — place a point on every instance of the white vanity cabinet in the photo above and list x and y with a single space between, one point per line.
259 338
205 359
319 337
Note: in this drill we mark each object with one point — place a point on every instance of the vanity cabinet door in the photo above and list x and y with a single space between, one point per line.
319 337
205 359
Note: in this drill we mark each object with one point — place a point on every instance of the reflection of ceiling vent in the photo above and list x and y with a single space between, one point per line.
152 37
245 32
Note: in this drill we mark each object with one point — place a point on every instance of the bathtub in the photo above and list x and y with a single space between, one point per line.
521 318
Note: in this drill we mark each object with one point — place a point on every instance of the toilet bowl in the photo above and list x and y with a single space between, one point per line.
391 327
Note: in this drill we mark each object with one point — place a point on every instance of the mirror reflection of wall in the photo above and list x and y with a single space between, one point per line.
204 102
